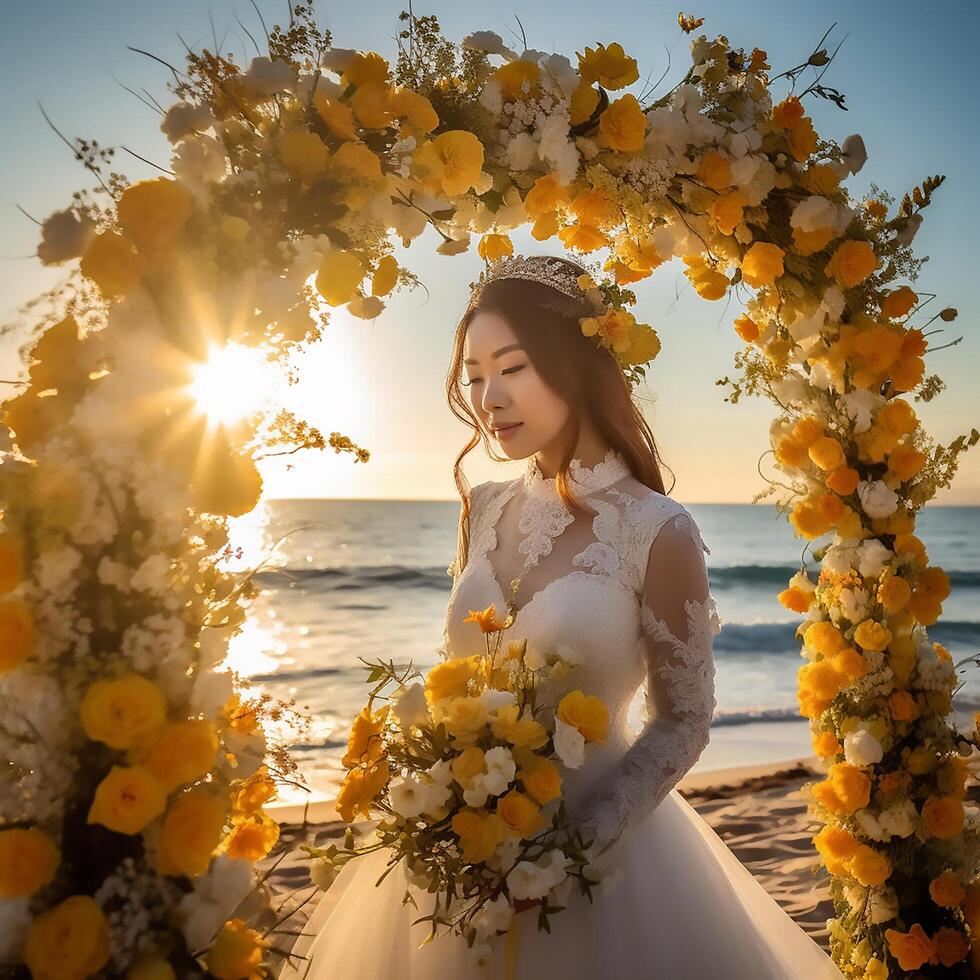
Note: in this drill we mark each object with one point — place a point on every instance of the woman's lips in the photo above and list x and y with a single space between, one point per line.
507 431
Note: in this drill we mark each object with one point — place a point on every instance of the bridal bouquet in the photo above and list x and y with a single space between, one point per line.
469 779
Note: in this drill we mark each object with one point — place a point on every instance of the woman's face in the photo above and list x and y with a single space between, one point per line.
509 397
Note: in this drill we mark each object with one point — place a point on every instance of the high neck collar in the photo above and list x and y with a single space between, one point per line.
584 480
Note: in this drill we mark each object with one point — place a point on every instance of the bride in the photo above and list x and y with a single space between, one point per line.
602 565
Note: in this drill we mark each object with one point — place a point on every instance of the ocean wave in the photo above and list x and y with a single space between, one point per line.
364 577
731 576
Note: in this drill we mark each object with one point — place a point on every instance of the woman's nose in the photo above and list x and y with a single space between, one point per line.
493 395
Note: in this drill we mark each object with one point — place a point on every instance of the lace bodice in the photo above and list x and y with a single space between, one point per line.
625 595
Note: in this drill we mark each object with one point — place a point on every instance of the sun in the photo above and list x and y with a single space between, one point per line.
234 382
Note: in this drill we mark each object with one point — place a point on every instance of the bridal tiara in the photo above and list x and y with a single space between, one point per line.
609 324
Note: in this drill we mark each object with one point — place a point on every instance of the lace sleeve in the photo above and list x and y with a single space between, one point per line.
678 625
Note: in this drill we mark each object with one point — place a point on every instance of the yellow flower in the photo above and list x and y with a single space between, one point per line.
16 633
235 229
123 711
450 679
727 211
827 453
595 208
303 154
365 66
414 110
851 784
479 833
584 102
624 124
852 263
871 635
947 891
371 105
152 212
826 744
586 713
493 247
843 481
708 281
521 816
191 831
112 263
451 163
227 483
795 599
364 746
825 638
69 941
898 302
385 276
540 778
583 238
836 846
904 463
869 867
236 953
521 730
518 79
339 276
610 66
338 116
251 840
56 356
546 194
359 790
942 817
715 171
127 799
151 967
28 861
762 264
254 792
468 765
183 752
465 718
486 619
912 949
355 161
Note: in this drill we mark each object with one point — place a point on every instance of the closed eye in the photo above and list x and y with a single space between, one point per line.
513 370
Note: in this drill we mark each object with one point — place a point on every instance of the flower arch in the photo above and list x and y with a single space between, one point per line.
126 739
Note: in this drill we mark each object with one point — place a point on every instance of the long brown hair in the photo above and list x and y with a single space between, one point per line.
584 375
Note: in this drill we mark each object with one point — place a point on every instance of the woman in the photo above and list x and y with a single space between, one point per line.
593 558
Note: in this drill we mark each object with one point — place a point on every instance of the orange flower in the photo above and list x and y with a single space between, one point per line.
715 171
898 302
912 949
762 264
852 263
947 891
747 329
486 619
942 817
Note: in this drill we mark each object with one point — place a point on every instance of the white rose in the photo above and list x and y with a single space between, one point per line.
877 498
883 904
500 769
408 796
860 405
410 707
873 557
528 880
492 918
861 748
476 794
266 76
495 699
569 744
185 117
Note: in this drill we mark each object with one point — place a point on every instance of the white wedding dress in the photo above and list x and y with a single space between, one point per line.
625 594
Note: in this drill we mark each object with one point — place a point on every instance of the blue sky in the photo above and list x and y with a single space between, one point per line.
906 71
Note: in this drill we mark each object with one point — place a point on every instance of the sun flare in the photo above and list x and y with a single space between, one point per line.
232 383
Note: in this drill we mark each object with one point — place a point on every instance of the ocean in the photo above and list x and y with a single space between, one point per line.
347 579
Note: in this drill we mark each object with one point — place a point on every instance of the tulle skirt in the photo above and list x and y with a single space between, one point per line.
680 907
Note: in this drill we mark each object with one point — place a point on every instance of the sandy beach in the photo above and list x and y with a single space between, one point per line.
757 810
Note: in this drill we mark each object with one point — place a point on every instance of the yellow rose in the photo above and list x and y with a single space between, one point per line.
624 124
851 785
826 744
843 480
339 275
303 154
357 163
594 207
894 593
364 744
942 817
821 678
16 633
521 730
521 816
385 276
254 792
451 163
493 247
947 891
451 678
836 846
546 194
112 263
540 778
825 638
123 711
127 799
251 840
586 713
465 718
871 635
190 833
152 212
479 833
610 66
68 941
762 264
869 867
468 765
898 417
827 453
183 752
237 952
852 263
518 79
28 861
904 463
359 790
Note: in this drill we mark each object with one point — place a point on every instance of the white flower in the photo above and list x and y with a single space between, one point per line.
528 880
569 744
441 773
500 769
854 153
185 117
477 792
323 873
199 160
266 76
64 235
883 904
791 389
482 953
54 571
860 405
338 59
410 797
495 699
489 42
505 855
877 498
492 918
854 604
899 820
873 556
217 893
861 748
153 576
912 224
410 707
211 691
